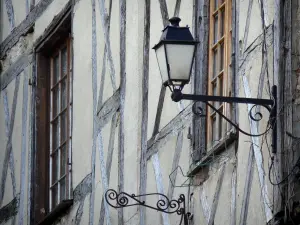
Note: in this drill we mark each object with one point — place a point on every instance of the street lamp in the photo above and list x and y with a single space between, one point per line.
175 54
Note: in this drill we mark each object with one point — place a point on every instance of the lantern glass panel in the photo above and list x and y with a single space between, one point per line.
162 63
180 58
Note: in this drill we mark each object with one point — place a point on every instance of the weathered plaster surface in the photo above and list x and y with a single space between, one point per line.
5 27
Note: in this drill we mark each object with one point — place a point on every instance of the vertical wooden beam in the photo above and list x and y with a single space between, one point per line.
233 197
144 109
247 188
122 15
23 148
94 87
204 204
216 196
10 13
200 75
159 184
8 150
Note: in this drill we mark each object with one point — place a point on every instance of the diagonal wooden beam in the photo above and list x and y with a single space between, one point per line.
24 27
164 12
182 120
159 110
177 8
109 161
176 157
8 149
108 109
104 60
233 197
216 196
246 31
103 17
14 70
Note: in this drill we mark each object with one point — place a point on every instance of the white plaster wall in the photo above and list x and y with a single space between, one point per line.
82 96
19 11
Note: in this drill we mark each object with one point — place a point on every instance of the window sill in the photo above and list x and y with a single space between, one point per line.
215 150
58 211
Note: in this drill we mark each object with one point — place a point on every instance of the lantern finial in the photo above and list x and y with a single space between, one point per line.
175 21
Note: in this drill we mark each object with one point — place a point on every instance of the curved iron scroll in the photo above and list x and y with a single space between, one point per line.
251 117
164 204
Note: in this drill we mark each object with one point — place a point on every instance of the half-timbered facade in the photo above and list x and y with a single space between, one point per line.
83 110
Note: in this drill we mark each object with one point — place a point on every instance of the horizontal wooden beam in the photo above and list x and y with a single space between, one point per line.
24 28
171 129
13 71
108 109
9 210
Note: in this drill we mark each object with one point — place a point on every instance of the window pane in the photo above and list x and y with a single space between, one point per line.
55 93
214 133
54 167
216 4
63 161
221 57
64 128
54 195
221 85
215 93
215 58
64 94
55 134
55 76
215 28
222 28
63 189
64 62
220 124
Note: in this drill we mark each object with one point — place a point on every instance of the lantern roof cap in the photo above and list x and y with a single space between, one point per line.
175 33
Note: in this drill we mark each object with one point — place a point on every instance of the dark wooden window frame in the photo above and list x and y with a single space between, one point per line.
58 31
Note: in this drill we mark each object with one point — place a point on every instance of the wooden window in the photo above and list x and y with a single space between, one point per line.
60 116
52 189
219 66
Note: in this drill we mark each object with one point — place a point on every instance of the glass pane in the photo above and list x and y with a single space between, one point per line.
216 4
161 59
221 57
64 61
64 128
215 59
54 167
63 161
62 189
180 58
221 85
220 124
215 93
64 94
54 195
55 76
214 133
222 28
215 28
55 134
55 93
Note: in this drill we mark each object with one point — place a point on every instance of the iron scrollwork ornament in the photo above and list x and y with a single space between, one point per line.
164 204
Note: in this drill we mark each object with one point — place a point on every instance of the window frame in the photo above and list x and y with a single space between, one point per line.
217 76
58 33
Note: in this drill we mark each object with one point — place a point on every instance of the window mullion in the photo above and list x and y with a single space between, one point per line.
59 130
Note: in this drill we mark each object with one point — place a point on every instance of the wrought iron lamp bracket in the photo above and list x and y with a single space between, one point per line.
164 204
269 104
